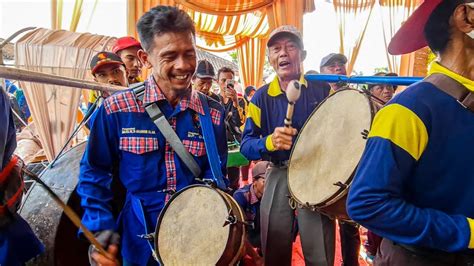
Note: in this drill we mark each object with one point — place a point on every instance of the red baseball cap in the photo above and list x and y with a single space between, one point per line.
124 43
411 37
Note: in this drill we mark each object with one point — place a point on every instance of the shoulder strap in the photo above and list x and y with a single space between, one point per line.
168 132
210 142
453 88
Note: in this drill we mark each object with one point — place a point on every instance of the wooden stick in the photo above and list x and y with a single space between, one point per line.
33 76
72 215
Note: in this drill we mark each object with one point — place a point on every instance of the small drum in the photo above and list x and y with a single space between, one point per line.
200 225
235 158
328 150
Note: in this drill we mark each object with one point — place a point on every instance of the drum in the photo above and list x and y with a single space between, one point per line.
234 157
47 219
200 225
328 150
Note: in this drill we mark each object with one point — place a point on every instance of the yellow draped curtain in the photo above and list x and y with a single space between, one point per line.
393 14
224 7
353 17
225 25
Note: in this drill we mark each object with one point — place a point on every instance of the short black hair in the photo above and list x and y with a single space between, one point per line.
160 20
224 70
437 30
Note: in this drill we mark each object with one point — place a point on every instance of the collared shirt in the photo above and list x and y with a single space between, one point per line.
414 184
123 133
248 201
267 110
233 118
7 130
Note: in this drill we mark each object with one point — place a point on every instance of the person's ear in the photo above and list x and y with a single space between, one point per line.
463 18
143 56
303 55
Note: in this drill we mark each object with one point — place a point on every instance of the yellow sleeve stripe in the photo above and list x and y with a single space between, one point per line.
402 127
471 226
269 143
254 113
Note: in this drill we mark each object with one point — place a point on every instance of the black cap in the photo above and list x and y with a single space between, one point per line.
331 58
104 58
205 70
249 89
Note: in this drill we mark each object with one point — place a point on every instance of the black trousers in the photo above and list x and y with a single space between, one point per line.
350 243
391 254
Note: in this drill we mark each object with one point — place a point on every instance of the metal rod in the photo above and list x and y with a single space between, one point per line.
33 76
403 81
71 215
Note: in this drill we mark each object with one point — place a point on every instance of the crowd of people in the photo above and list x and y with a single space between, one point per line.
411 189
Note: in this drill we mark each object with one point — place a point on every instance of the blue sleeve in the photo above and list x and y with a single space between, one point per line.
95 176
239 196
253 143
376 201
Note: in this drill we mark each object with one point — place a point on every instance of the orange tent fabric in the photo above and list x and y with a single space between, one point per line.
248 22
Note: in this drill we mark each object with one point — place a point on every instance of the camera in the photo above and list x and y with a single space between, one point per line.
230 83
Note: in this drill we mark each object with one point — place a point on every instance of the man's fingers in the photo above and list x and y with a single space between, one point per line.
103 260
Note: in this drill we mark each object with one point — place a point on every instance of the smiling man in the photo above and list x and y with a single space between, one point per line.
265 137
124 136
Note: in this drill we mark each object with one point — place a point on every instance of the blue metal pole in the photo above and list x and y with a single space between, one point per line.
403 81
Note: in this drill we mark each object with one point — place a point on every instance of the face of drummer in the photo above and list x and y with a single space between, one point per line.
114 74
172 57
286 56
383 92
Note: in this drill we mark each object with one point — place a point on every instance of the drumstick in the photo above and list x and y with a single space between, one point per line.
72 215
293 92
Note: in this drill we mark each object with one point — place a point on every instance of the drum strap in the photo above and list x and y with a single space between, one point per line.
138 210
210 143
168 132
454 89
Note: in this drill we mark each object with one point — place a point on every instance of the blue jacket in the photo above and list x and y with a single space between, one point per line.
267 110
415 184
18 243
250 204
123 133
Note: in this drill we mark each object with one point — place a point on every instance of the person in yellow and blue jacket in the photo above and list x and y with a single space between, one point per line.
266 138
415 185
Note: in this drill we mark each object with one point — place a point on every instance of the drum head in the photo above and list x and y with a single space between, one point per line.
190 229
329 147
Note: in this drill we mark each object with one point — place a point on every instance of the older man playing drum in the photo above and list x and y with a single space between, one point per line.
265 137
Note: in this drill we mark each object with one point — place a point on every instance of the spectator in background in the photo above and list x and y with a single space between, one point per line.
127 48
334 64
234 116
249 198
383 91
203 79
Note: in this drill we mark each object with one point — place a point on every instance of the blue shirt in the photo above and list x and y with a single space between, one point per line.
18 243
415 184
123 133
267 110
250 204
7 130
